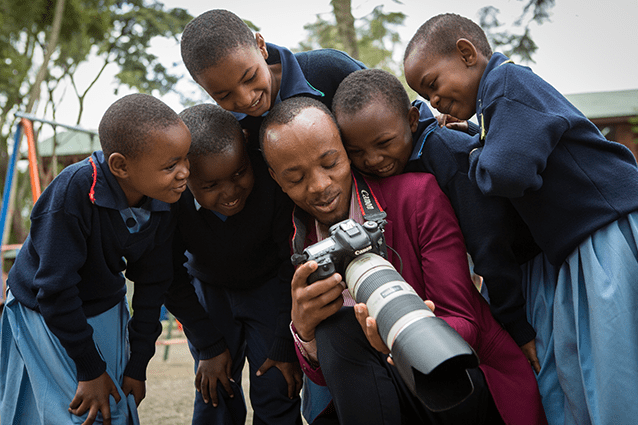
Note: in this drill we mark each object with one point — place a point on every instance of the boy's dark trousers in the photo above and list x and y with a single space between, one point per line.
366 389
247 319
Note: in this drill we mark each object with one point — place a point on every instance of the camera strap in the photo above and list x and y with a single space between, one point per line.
370 208
368 203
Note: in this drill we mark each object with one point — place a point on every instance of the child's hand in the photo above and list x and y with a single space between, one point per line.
135 387
452 123
93 396
529 350
209 372
292 374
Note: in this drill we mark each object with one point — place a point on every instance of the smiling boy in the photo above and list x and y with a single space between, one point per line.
248 76
69 353
575 190
232 257
385 135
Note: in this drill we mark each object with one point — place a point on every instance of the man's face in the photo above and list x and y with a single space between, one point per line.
307 159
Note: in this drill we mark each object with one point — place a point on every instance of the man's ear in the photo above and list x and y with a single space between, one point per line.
467 51
261 45
274 176
118 165
413 118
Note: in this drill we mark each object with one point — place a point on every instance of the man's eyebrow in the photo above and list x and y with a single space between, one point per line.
297 167
290 170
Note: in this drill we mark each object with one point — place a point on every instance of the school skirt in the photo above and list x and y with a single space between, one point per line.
585 313
38 379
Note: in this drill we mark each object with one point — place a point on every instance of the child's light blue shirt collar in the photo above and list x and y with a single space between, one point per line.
198 206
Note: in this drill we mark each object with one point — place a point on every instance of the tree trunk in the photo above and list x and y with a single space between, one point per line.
342 10
34 96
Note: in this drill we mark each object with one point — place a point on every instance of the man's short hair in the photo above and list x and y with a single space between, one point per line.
441 33
127 124
284 112
213 129
209 38
361 88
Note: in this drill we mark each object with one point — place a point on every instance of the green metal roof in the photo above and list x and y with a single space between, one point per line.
607 104
70 143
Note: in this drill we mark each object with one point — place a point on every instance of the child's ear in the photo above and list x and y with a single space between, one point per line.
468 52
118 165
261 45
413 118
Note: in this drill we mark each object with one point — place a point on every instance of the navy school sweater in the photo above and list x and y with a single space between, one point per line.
496 237
561 174
70 266
242 252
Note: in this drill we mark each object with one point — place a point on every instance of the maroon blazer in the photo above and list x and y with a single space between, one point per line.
423 229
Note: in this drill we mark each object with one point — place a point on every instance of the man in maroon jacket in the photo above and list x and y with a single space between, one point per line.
301 144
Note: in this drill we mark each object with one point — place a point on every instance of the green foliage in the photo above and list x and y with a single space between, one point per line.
376 34
518 44
118 32
128 45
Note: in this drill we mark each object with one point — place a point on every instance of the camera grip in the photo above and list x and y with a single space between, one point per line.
325 269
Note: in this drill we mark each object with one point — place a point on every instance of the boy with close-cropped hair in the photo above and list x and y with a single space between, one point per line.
232 257
69 353
385 135
576 192
248 76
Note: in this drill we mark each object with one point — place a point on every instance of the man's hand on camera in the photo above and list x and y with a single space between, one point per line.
312 304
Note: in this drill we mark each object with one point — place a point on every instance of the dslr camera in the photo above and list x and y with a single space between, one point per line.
348 239
430 356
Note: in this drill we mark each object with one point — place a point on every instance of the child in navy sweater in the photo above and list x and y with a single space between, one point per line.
248 76
232 253
69 352
577 193
385 135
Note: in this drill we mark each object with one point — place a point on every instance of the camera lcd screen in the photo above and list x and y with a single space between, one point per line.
320 247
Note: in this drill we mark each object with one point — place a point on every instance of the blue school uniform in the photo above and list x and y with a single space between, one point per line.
316 74
495 236
577 193
67 294
238 268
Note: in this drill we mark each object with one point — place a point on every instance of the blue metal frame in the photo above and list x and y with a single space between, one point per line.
8 182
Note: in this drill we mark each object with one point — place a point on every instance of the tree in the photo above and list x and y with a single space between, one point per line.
371 38
520 43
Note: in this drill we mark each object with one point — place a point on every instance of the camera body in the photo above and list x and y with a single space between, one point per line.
348 239
430 356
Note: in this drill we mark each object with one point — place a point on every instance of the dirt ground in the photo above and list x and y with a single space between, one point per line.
169 387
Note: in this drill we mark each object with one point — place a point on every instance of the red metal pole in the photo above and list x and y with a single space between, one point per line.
33 161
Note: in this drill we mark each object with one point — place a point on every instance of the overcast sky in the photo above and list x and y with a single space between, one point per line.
586 47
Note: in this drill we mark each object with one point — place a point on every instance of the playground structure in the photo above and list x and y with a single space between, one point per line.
25 126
